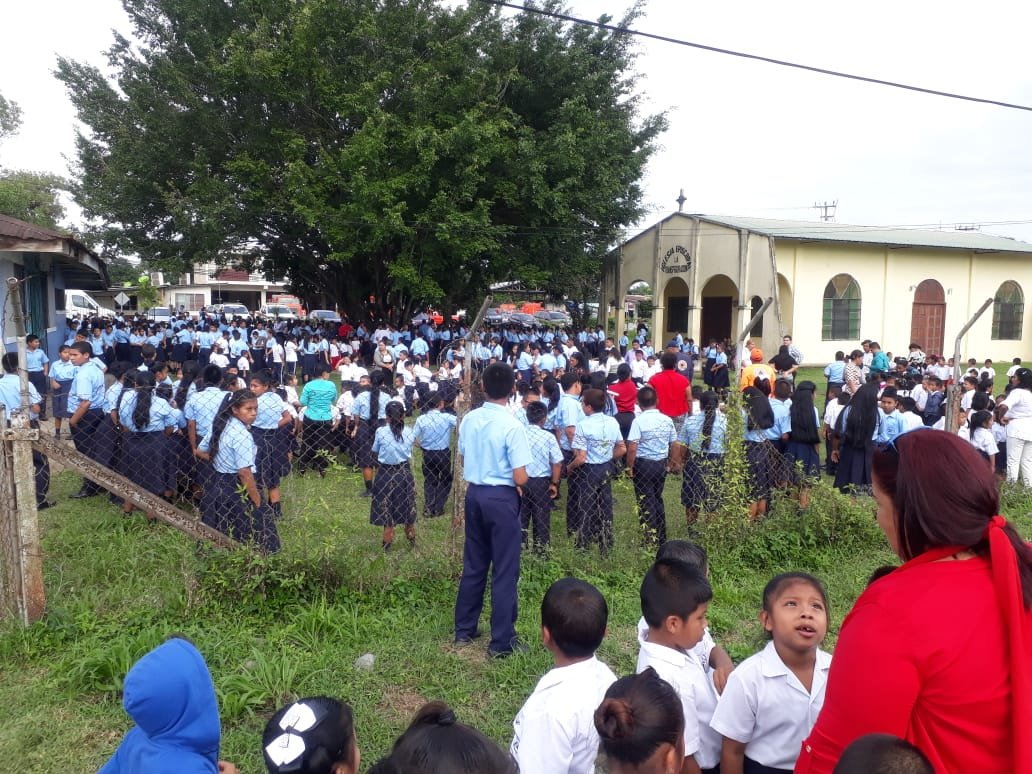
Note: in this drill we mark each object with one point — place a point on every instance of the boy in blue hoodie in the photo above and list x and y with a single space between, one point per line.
170 696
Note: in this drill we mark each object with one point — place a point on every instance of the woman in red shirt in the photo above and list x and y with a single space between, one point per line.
625 393
939 651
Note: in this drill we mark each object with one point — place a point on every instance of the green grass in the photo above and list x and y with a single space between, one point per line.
280 627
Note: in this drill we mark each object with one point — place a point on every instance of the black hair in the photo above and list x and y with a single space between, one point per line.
863 416
330 741
594 399
668 361
264 378
437 743
10 362
623 372
638 714
782 389
81 347
804 421
128 382
569 379
981 401
211 376
575 614
224 414
672 587
647 397
907 404
779 583
396 418
759 414
498 380
977 420
880 572
685 551
882 754
537 412
709 402
144 398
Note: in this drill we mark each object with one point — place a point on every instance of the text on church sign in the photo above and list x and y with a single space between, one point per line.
676 261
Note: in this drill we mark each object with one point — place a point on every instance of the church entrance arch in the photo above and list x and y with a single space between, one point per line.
928 317
719 296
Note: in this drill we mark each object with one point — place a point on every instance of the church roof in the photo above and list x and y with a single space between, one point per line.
818 231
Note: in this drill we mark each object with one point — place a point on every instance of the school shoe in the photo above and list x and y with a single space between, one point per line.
468 639
82 494
387 547
517 646
366 493
44 505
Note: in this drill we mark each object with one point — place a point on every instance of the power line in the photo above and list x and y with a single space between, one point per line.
755 57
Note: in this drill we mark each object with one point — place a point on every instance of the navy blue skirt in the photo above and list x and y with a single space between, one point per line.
394 496
149 460
765 468
701 479
270 456
853 473
362 444
59 400
804 455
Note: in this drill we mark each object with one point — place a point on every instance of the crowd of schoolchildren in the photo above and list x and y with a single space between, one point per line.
686 709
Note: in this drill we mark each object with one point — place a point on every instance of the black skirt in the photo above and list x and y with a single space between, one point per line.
802 455
701 480
394 496
765 468
149 461
853 473
59 401
362 444
270 457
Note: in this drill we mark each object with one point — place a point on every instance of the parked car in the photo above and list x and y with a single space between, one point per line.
160 314
277 312
523 319
231 310
551 317
497 316
79 303
324 316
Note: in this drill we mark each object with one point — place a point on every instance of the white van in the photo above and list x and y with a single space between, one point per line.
79 303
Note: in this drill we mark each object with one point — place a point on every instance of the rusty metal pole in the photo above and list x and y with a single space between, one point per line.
32 598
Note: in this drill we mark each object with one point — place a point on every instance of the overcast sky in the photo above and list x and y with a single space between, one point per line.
745 138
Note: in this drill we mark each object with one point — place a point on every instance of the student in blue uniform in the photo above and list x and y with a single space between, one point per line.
495 452
369 412
700 454
597 444
147 421
183 344
205 341
433 432
38 366
543 472
759 451
61 374
231 451
804 439
394 489
649 448
10 399
317 397
273 447
86 405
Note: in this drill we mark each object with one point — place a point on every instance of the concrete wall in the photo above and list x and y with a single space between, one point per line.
55 324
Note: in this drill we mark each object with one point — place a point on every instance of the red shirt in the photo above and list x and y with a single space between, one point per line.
670 387
924 656
626 393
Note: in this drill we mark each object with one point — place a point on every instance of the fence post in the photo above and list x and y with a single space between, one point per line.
31 594
953 392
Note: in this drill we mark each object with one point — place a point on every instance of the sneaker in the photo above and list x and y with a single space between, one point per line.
516 647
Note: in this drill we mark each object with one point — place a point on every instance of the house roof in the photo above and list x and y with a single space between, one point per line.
818 231
82 267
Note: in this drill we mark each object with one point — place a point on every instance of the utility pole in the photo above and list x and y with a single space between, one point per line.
827 210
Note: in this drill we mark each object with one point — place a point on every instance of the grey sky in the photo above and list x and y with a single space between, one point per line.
745 138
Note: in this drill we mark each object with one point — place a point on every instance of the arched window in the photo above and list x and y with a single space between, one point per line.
841 319
1008 311
755 304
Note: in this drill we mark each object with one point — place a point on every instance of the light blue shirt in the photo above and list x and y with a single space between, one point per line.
35 359
201 408
389 450
10 395
162 415
889 426
270 411
691 433
597 434
97 345
493 443
568 414
205 339
111 395
834 371
544 452
237 449
62 371
433 430
782 421
360 408
653 431
318 396
87 385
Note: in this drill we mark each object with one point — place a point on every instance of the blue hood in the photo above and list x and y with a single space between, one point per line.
170 696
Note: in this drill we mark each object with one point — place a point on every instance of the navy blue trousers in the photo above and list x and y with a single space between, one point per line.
493 532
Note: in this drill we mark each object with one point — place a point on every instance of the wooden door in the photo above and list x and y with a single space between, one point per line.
716 318
928 317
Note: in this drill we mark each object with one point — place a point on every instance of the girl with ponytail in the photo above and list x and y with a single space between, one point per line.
394 489
147 422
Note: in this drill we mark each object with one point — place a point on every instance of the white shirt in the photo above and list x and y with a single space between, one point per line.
765 706
217 358
831 413
701 651
1019 412
982 439
698 698
920 396
1012 370
911 420
351 372
555 730
290 352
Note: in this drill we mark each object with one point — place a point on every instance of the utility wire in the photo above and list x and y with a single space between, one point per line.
755 57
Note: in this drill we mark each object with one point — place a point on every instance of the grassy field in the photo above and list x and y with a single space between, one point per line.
276 628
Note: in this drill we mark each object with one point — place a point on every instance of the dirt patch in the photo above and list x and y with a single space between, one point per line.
401 702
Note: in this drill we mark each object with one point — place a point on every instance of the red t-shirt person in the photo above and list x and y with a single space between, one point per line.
672 388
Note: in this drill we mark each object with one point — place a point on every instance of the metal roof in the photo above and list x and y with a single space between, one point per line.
819 231
82 267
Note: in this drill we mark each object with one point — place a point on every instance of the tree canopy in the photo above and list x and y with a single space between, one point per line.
25 195
386 149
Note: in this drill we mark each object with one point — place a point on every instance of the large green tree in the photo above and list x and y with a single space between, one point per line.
28 196
392 149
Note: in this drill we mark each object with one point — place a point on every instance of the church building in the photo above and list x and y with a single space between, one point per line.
832 285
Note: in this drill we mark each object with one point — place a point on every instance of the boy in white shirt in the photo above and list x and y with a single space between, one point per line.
674 600
555 729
